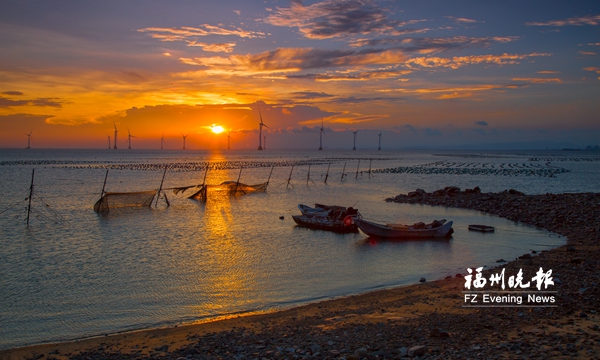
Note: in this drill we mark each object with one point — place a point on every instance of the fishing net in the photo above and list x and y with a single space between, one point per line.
235 188
113 200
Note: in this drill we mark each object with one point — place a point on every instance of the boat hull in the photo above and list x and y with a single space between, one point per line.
321 223
378 230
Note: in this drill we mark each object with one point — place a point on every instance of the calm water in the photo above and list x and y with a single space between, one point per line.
140 268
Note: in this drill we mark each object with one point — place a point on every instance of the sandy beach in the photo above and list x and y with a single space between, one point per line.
426 319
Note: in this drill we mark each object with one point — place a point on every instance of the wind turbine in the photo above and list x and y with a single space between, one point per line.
228 140
261 124
129 139
321 131
29 139
184 136
354 132
379 141
116 131
109 141
265 142
162 141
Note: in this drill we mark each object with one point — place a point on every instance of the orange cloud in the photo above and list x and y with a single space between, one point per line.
225 47
187 32
538 80
459 61
293 60
576 21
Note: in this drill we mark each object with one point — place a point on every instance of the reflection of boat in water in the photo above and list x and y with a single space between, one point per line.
330 218
436 229
482 228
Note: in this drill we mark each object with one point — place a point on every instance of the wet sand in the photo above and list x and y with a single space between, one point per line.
426 319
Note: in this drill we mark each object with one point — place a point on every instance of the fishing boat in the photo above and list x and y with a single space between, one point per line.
315 211
482 228
436 229
344 226
328 217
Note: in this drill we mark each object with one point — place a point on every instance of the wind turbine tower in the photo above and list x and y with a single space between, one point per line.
184 136
109 141
354 147
261 124
321 131
116 131
29 139
265 142
379 148
129 139
228 140
162 141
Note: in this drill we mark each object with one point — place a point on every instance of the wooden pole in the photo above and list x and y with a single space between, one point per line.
344 170
308 176
290 178
160 188
30 195
269 179
204 188
370 160
104 186
238 181
357 166
327 175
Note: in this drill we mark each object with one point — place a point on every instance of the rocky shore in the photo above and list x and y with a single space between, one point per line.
425 321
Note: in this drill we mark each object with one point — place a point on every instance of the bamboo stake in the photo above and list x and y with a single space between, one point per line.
30 195
342 179
290 178
327 175
357 166
370 160
308 176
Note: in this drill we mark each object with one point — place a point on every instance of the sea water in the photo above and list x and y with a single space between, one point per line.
73 273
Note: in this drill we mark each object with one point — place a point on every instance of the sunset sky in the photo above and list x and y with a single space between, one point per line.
422 73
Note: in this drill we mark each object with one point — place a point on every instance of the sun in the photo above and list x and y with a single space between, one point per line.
217 129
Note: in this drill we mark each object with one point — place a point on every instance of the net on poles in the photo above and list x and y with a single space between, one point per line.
114 200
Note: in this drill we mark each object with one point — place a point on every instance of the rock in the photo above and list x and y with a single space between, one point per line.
422 280
459 275
525 256
500 261
402 352
281 217
360 352
418 350
437 333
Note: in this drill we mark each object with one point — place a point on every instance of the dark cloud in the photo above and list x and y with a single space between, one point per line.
311 95
336 18
15 93
435 44
431 132
41 102
482 123
406 127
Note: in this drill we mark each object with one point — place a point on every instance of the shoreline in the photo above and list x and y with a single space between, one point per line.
426 319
